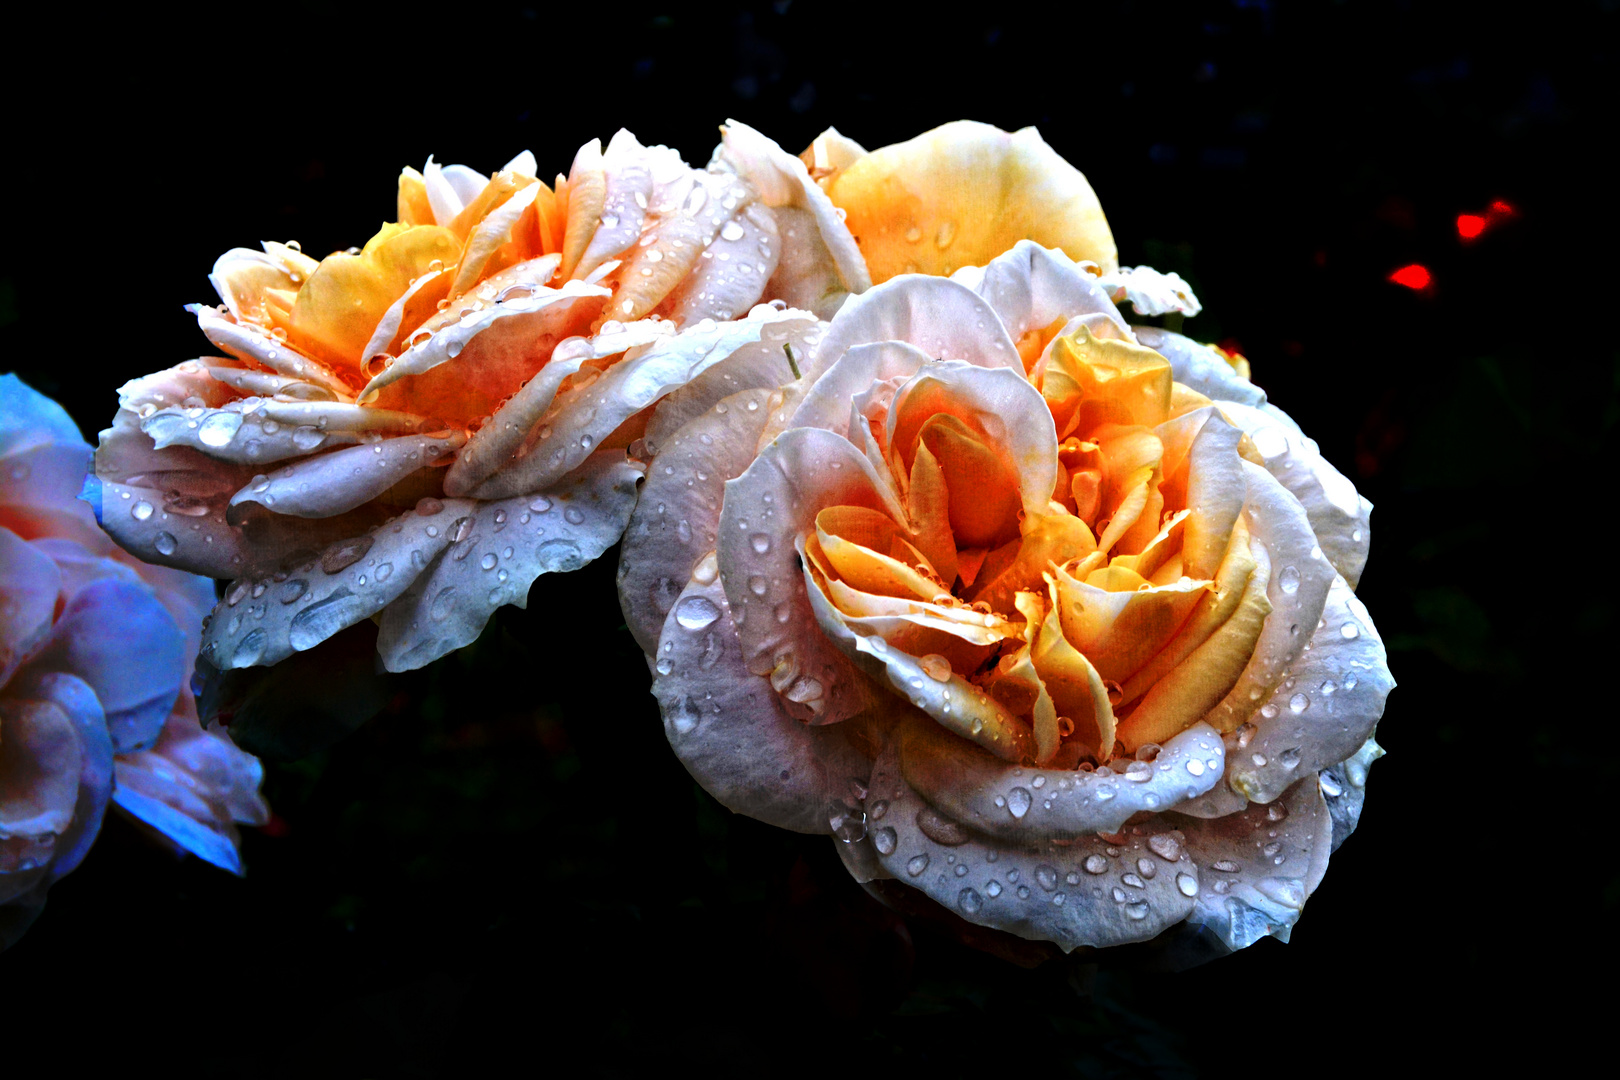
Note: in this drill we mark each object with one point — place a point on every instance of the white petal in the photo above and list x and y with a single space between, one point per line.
1258 867
1030 287
554 531
1088 892
1150 291
677 515
331 484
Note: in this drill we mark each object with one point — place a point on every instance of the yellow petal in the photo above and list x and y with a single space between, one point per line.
1217 607
1055 538
964 193
984 511
340 305
1074 684
414 208
1195 686
862 567
587 196
1091 381
928 505
1119 620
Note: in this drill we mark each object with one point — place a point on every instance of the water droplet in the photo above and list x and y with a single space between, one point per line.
760 543
1139 772
306 437
939 828
665 667
574 516
250 648
1133 881
1330 785
1268 710
341 556
429 506
1289 759
1225 866
707 569
141 510
757 584
1165 846
165 543
219 428
443 604
1195 767
696 612
969 901
1289 580
848 823
684 531
1349 631
731 231
1018 800
938 668
1046 877
288 591
540 505
878 809
917 864
947 233
1299 703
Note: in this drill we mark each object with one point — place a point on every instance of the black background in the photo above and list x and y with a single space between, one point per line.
509 864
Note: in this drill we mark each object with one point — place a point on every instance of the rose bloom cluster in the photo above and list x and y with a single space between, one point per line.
1047 617
96 651
414 430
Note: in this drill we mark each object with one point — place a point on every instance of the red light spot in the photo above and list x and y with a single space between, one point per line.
1502 209
1416 277
1469 226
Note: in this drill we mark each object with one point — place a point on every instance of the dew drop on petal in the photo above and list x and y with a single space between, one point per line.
696 612
165 543
917 864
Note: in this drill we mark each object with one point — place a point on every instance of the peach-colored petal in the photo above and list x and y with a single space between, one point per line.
964 193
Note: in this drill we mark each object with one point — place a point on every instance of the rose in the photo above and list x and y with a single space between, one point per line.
95 654
415 430
1047 618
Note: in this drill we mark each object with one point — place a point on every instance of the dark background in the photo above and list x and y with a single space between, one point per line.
509 864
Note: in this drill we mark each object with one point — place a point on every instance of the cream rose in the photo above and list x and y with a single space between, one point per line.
414 430
1046 617
95 657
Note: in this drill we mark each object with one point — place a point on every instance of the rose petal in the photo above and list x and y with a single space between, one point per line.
333 483
1338 515
1325 705
29 586
263 619
1090 891
1200 367
1297 593
761 364
78 702
827 403
582 418
256 345
1150 291
952 701
29 418
728 726
568 525
962 194
541 314
677 516
1257 867
765 511
174 823
944 319
972 787
820 262
1030 287
39 781
1344 788
1002 404
730 274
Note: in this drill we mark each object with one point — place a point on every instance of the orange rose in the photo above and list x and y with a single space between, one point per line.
414 430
